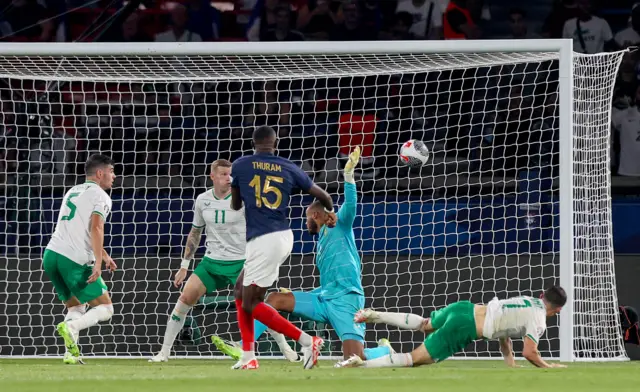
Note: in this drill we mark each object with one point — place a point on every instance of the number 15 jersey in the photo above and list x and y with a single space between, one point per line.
266 182
72 236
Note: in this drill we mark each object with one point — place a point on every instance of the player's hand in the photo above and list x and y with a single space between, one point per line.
558 365
109 263
354 158
179 278
331 220
95 274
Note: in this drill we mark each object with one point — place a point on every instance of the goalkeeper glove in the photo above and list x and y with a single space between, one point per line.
350 167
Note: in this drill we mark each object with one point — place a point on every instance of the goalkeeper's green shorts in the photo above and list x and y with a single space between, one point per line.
218 274
455 328
70 278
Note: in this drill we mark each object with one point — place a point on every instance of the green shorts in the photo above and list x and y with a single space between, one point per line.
218 274
70 278
455 328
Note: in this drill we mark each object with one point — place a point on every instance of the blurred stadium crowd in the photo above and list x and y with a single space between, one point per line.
505 113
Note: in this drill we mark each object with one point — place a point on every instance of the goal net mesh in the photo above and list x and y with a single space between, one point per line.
480 220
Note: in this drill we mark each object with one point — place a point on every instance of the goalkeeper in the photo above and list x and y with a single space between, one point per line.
452 328
340 295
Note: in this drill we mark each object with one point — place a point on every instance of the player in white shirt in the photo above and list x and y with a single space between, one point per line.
452 328
593 34
226 232
627 123
73 258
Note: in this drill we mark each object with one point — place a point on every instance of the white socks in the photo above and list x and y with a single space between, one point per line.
305 339
74 313
281 341
174 325
401 320
392 360
91 318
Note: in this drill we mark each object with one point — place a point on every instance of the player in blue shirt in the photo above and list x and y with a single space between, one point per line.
340 294
264 182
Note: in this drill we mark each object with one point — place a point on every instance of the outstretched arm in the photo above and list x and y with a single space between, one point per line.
347 213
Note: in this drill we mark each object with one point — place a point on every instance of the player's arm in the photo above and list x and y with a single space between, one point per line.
190 248
322 196
193 241
347 213
236 198
111 265
531 354
97 245
506 348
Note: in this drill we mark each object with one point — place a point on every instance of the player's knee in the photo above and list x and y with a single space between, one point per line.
237 290
188 298
352 346
110 310
277 301
104 312
420 356
248 306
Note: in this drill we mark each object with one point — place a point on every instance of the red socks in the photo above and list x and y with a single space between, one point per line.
272 319
245 322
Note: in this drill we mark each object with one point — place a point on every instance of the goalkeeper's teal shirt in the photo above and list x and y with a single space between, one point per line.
337 256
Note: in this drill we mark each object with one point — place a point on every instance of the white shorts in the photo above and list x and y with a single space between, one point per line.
264 256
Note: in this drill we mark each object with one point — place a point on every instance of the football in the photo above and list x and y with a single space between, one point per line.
414 153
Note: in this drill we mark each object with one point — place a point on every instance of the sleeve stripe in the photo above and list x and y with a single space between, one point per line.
532 338
198 227
98 213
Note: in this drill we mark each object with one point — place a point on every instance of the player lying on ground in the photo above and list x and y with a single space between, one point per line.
73 258
225 243
452 328
264 183
340 294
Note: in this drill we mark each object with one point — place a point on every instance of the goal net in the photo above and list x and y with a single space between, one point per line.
482 219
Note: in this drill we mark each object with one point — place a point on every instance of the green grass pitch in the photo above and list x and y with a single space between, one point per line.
115 375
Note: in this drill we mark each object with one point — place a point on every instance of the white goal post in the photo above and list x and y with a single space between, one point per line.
516 196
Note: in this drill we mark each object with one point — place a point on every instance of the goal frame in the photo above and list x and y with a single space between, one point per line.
562 46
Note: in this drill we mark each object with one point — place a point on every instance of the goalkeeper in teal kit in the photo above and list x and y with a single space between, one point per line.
340 294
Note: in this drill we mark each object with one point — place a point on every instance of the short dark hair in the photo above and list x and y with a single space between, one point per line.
555 295
95 162
263 133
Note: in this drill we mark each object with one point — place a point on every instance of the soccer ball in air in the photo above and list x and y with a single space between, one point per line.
414 153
